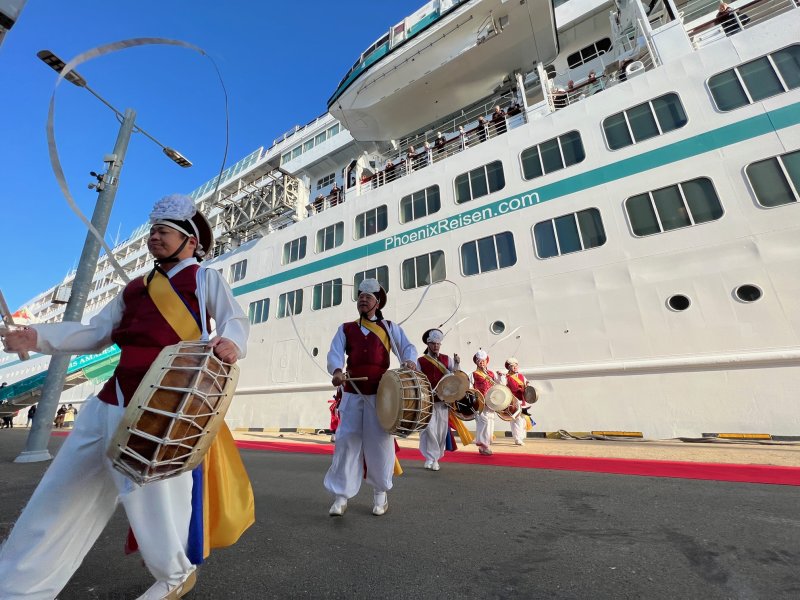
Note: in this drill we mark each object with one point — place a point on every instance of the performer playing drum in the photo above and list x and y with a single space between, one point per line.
367 344
517 383
79 492
482 380
435 366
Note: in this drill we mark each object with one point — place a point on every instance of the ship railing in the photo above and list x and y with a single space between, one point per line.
465 137
634 56
705 25
322 203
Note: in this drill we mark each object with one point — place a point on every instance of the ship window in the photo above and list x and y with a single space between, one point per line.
552 155
423 270
308 145
379 273
480 182
679 302
776 181
586 54
286 158
371 222
644 121
330 237
319 138
297 152
673 207
326 181
420 204
294 250
757 79
238 271
569 233
327 294
488 254
332 131
290 303
258 311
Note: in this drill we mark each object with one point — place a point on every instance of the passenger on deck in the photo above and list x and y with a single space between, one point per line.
623 75
439 144
335 195
514 109
319 203
481 130
559 98
389 171
462 137
592 77
726 17
499 120
411 157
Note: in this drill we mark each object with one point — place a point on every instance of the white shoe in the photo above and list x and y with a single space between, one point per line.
333 438
161 590
485 451
518 443
429 464
435 466
338 507
380 504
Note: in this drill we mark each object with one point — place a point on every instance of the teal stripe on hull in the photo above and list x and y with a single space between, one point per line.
721 137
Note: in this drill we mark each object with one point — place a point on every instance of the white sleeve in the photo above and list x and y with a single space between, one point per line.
70 337
407 350
229 318
336 353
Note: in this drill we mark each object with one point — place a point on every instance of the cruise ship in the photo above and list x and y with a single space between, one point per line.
606 190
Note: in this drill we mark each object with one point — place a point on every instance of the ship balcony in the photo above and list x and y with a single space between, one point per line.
449 53
705 25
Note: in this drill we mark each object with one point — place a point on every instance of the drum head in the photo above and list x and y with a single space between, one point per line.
498 397
530 394
452 387
389 400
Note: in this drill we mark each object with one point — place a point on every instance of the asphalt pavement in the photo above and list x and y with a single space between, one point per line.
470 531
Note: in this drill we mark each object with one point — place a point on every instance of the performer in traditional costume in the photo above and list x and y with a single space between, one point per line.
433 439
516 382
366 345
79 492
482 380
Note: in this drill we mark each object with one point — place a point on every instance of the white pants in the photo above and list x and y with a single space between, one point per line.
433 439
518 431
484 428
74 501
360 438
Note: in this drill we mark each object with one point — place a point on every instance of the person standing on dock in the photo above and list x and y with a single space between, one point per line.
433 439
482 380
366 345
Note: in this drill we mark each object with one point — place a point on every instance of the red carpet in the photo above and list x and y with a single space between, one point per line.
621 466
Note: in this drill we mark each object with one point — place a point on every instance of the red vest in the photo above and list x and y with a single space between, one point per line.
432 372
143 333
366 357
483 385
516 389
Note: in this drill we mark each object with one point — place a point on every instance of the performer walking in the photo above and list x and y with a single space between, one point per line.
517 383
79 492
433 439
482 380
367 343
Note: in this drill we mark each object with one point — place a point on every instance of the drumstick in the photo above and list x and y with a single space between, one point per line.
9 320
355 379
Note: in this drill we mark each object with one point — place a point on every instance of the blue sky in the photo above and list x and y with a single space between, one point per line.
280 63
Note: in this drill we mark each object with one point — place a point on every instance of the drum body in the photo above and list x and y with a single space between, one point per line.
511 412
404 402
498 397
468 407
452 387
175 413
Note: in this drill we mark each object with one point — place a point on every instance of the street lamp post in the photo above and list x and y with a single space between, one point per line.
36 445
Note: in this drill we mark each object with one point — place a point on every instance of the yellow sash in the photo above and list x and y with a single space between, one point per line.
517 378
436 364
482 375
171 307
228 503
377 330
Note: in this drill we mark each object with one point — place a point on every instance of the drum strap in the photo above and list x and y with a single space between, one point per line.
377 330
517 379
436 364
171 306
482 375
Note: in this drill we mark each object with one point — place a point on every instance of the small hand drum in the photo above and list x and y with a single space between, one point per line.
404 402
452 387
530 394
468 407
175 413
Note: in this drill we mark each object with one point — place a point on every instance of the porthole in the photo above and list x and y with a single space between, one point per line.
314 351
679 302
748 293
497 327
